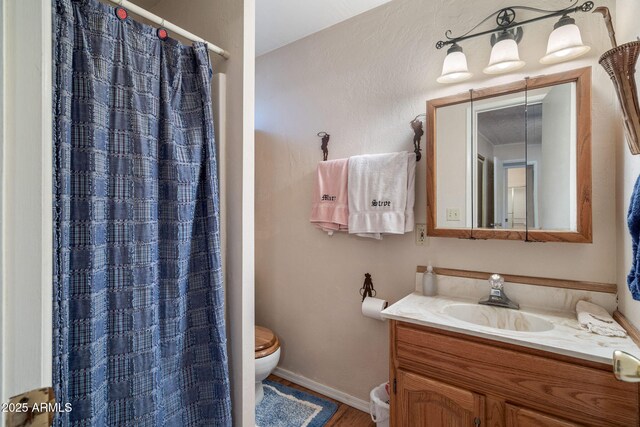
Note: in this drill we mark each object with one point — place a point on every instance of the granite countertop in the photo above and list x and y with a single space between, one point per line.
566 337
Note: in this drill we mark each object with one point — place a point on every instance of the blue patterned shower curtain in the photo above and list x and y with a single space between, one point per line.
139 334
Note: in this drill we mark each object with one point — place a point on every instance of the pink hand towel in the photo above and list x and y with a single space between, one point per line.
330 205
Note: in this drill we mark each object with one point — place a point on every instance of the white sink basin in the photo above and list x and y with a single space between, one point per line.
497 317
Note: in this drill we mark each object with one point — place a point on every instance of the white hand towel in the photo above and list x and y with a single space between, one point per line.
597 320
409 220
378 186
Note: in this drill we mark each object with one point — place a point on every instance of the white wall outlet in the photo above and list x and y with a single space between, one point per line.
453 214
421 234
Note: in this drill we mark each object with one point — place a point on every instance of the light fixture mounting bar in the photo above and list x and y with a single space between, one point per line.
506 19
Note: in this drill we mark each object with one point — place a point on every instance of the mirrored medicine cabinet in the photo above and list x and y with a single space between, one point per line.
512 162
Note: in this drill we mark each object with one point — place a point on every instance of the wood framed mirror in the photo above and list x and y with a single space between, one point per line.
512 162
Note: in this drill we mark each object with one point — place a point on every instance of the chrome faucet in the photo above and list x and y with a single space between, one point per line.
497 297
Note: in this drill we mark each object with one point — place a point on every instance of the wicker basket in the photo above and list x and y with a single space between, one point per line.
620 63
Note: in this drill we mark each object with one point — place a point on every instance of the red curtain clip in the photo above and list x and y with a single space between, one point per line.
162 33
121 13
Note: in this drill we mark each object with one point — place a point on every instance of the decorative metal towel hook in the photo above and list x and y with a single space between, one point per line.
418 130
367 287
325 144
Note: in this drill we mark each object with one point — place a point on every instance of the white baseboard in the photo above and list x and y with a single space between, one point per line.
338 395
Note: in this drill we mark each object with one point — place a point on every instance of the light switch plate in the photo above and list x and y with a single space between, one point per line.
453 214
421 234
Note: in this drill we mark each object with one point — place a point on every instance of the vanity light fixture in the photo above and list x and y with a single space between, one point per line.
565 42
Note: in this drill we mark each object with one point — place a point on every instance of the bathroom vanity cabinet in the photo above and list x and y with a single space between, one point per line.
442 378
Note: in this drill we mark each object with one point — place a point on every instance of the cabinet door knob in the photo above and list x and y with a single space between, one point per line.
476 422
626 367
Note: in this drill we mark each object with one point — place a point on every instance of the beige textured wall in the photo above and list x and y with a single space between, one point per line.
362 81
628 169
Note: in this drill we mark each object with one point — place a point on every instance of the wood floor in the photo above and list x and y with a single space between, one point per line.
344 416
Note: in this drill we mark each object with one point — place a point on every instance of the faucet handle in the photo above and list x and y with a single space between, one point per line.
496 281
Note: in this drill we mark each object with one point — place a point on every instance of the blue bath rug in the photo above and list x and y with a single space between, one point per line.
284 406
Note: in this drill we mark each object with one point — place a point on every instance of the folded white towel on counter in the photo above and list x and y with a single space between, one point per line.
597 320
379 200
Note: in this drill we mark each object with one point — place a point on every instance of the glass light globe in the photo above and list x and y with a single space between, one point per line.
565 42
504 57
454 67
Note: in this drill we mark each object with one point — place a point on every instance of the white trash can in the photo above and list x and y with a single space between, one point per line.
378 406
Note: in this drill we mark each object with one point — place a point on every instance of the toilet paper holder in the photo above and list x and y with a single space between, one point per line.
367 287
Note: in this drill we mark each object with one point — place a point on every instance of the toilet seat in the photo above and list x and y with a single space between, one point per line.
267 342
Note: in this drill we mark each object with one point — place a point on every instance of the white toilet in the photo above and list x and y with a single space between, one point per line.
267 356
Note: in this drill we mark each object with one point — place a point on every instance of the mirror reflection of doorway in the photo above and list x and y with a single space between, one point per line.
485 192
519 197
505 138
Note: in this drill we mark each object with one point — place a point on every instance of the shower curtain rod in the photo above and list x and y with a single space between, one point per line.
169 26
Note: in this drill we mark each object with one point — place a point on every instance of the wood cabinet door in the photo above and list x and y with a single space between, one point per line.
423 402
517 416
